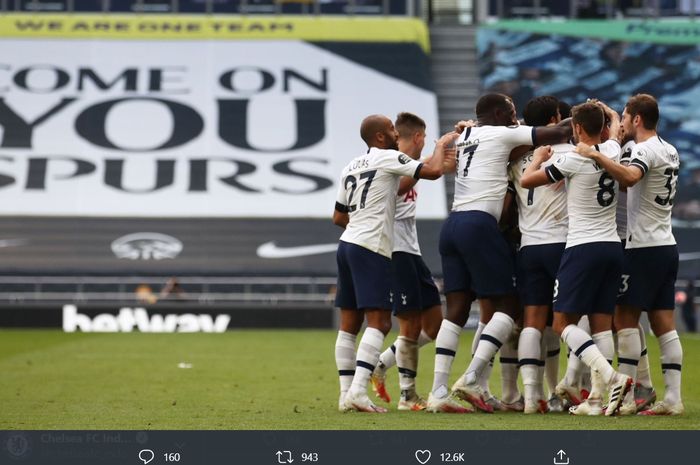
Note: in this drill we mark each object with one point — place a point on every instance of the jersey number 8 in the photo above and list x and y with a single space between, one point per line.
606 194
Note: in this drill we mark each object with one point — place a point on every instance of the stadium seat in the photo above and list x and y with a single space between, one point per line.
225 6
143 6
295 6
258 6
41 5
341 7
192 6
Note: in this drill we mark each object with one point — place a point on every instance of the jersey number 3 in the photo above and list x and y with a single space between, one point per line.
352 180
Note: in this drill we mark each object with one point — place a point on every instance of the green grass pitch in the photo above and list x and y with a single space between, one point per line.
243 380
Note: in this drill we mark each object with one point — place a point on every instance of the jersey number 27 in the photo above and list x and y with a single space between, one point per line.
352 180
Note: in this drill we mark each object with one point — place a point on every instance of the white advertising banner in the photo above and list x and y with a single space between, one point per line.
159 128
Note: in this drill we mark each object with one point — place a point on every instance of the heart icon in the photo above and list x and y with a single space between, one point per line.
423 456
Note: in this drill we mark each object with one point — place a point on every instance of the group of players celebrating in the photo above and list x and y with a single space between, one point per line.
593 195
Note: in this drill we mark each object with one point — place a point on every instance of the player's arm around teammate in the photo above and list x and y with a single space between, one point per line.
651 256
415 298
588 276
533 176
366 193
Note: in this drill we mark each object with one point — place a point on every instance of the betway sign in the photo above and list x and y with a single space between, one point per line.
138 319
188 128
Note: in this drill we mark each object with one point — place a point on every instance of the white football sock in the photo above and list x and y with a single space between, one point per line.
629 348
407 363
367 358
540 369
388 358
496 332
424 339
583 346
509 371
475 342
486 374
574 365
345 359
671 361
446 345
529 352
584 377
643 373
606 345
551 362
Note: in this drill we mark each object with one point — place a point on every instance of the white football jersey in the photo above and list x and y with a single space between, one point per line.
650 201
591 195
481 179
405 232
621 215
367 191
542 215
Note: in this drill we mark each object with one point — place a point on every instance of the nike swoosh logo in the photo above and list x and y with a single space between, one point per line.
12 242
271 250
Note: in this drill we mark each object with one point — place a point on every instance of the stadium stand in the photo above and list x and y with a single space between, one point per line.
332 7
51 258
432 9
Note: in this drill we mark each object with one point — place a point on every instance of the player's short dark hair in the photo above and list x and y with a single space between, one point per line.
408 124
590 116
540 110
488 103
646 107
564 109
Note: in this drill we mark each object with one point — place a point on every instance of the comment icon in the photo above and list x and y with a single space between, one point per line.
146 455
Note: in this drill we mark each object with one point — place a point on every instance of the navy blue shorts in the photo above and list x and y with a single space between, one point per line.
412 285
475 256
649 278
588 278
537 271
364 278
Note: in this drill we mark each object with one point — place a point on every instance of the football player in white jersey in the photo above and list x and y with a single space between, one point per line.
644 393
476 260
651 254
589 274
575 386
543 223
415 297
365 207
